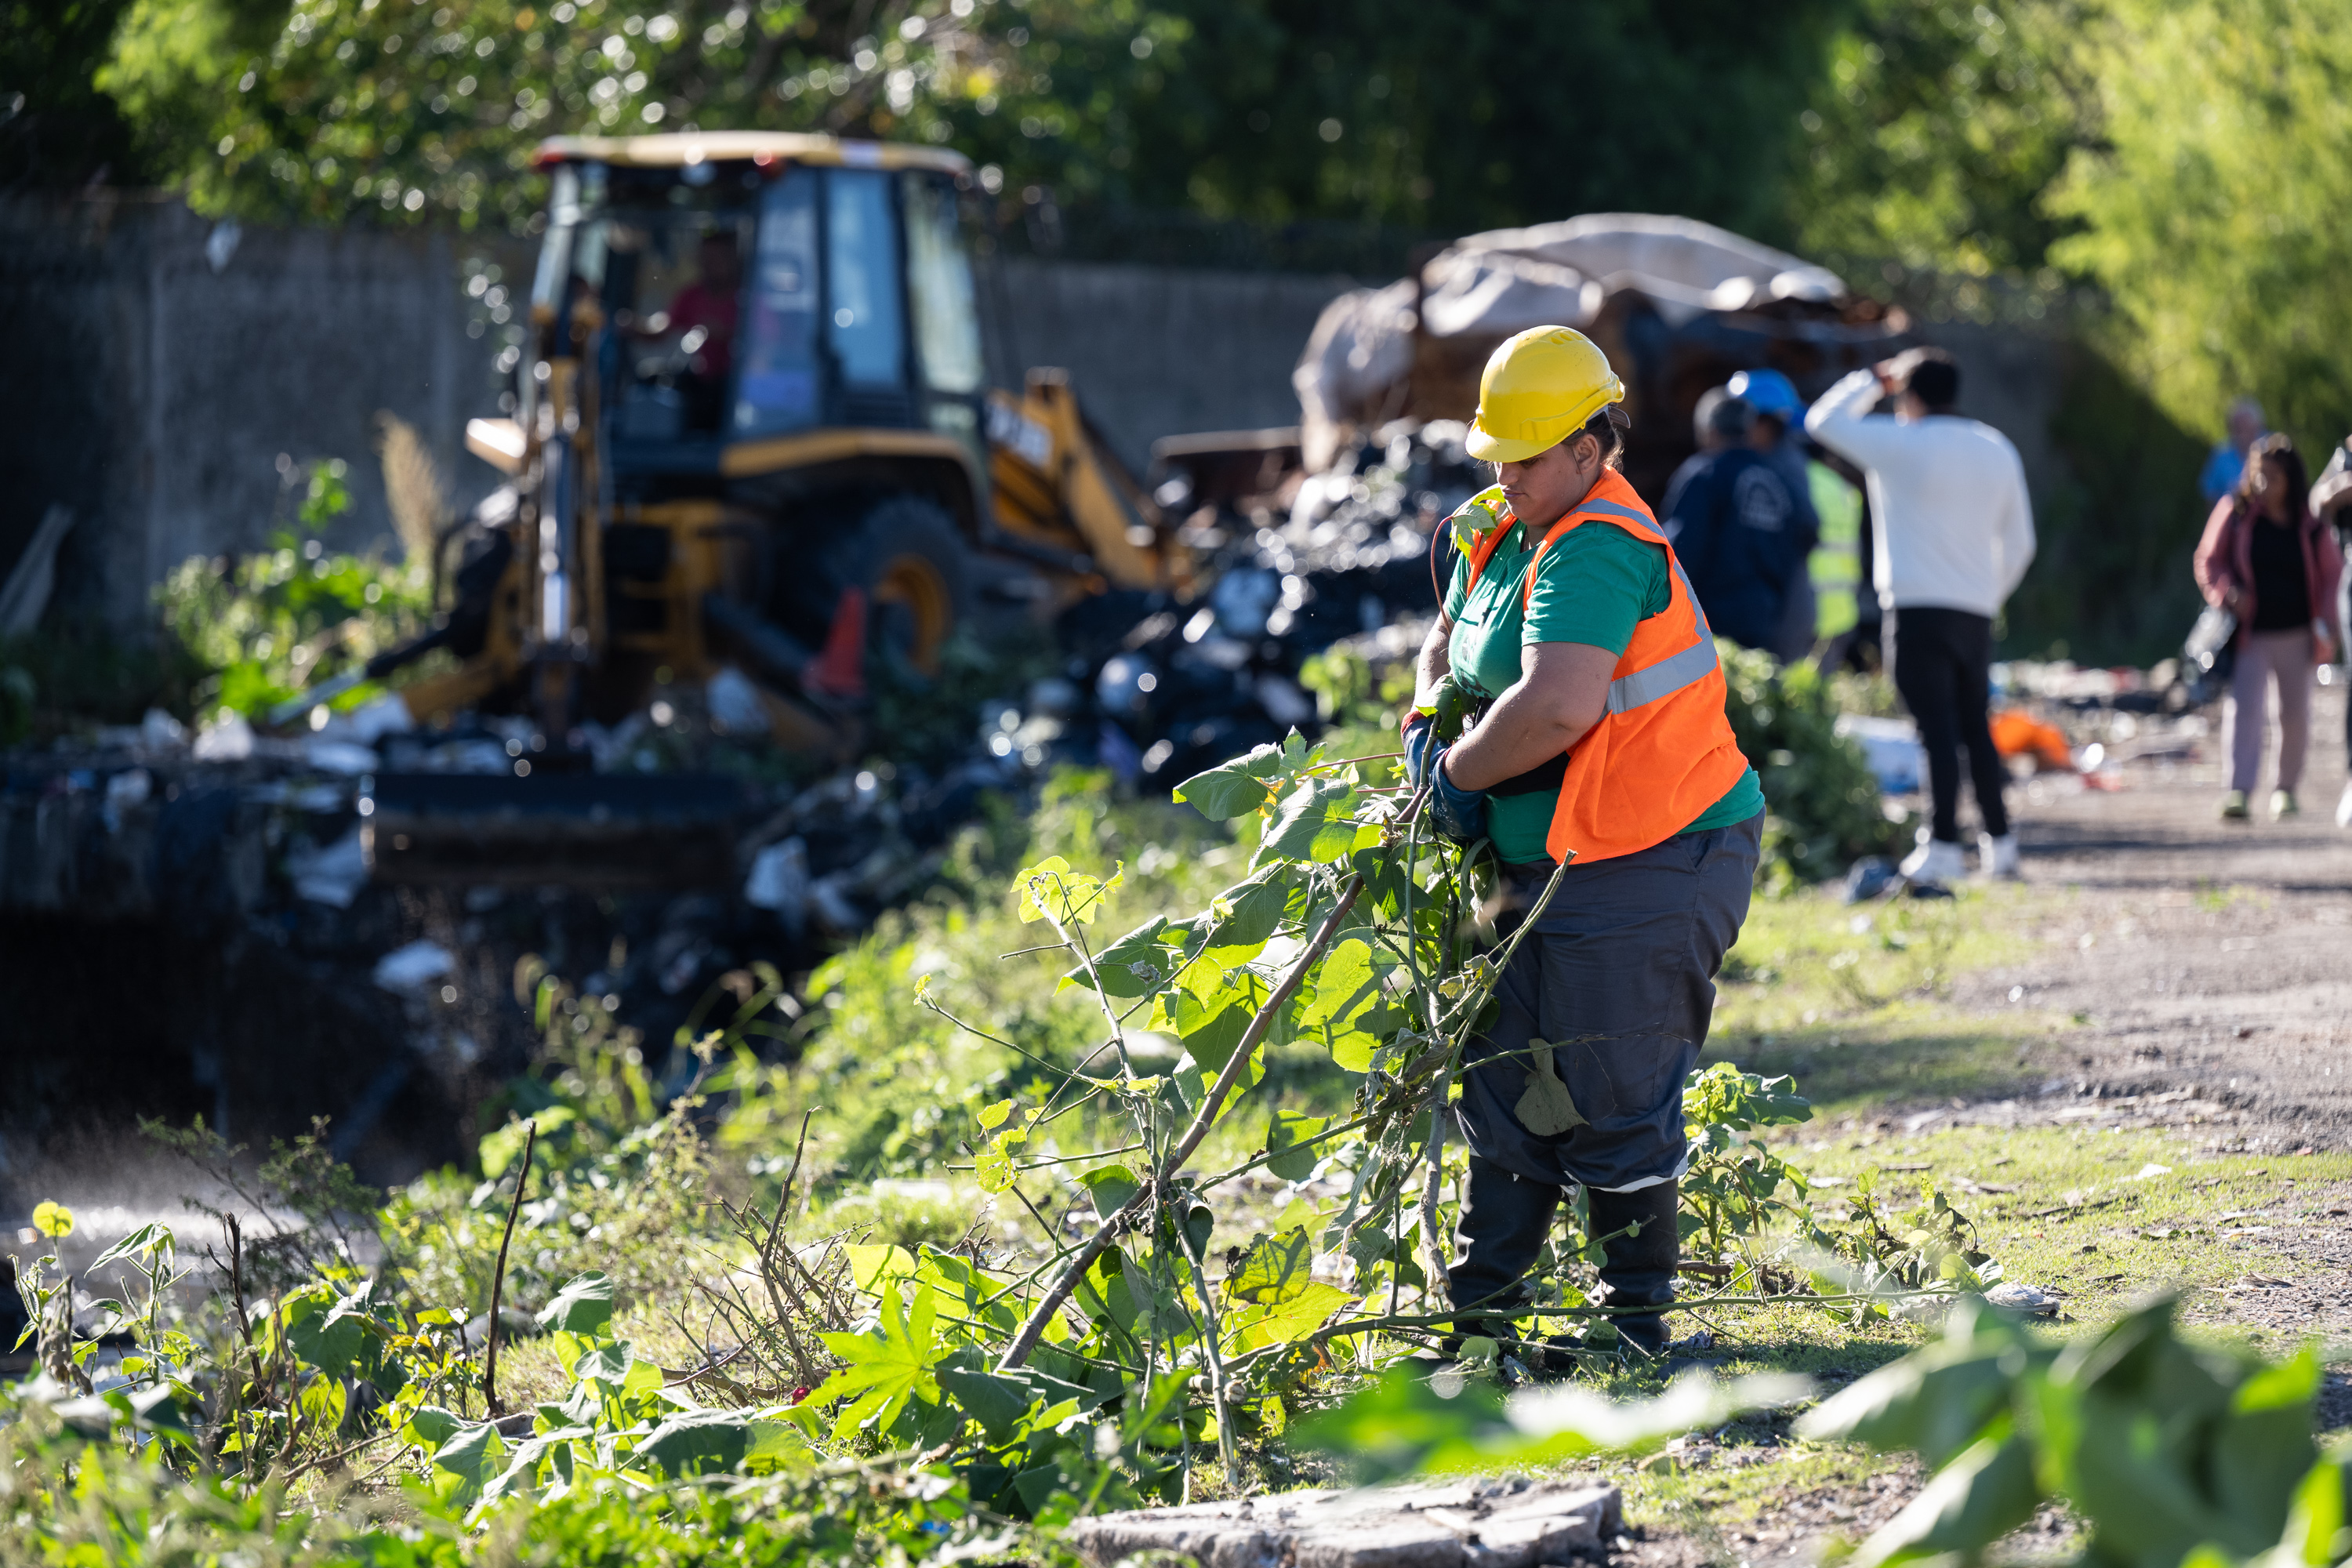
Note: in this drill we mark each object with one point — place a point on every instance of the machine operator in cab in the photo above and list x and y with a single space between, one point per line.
1598 739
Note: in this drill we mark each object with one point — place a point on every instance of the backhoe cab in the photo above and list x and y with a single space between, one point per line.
753 428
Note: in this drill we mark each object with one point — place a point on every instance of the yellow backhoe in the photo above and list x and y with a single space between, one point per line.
752 427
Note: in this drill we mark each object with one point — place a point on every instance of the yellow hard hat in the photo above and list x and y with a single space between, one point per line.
1538 389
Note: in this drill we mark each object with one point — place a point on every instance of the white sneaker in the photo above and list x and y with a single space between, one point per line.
1997 857
2343 808
1934 864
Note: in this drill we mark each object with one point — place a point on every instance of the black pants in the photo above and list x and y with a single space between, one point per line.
1941 661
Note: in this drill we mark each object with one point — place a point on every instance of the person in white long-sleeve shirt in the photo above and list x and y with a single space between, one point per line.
1953 531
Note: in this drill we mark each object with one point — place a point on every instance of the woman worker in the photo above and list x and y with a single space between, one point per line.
1600 739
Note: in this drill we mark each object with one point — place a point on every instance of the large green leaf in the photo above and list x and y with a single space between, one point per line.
1939 1401
1286 1140
1232 788
324 1336
1248 913
1111 1187
152 1237
583 1305
700 1442
996 1401
465 1464
1287 1322
1272 1268
1346 1010
1313 823
1983 1494
2264 1446
1212 1027
887 1368
1137 965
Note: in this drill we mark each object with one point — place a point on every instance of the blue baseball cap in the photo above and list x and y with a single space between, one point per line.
1767 392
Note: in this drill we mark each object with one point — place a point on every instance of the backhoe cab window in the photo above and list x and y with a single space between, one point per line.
665 256
778 388
869 328
939 277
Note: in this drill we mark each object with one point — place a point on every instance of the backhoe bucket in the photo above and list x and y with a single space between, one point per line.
582 830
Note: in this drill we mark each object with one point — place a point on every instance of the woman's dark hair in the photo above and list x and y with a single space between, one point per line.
1608 427
2279 449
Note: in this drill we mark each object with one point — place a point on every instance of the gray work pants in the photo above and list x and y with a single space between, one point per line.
2264 658
1619 975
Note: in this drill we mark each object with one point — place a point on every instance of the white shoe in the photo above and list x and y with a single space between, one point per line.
1934 863
1997 857
2343 808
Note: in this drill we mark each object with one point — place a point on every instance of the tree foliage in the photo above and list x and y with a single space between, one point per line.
1933 132
1269 111
2213 208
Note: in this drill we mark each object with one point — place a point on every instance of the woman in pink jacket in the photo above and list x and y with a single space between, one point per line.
2266 560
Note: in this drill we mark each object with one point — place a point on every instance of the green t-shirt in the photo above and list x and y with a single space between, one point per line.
1596 584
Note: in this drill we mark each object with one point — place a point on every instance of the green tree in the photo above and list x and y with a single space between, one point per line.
422 109
2213 211
1270 111
1451 119
1933 133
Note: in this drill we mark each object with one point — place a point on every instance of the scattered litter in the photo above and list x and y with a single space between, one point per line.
129 788
158 731
735 704
407 971
1868 879
1892 747
780 880
227 739
333 876
346 757
2151 1169
2021 1297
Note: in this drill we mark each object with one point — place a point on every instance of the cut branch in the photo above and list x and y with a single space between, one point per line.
1181 1150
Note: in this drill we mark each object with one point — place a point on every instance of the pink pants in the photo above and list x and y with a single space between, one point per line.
2264 657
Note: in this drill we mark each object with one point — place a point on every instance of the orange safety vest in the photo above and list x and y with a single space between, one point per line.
1663 752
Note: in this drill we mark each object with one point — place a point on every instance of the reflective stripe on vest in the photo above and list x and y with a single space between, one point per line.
1665 678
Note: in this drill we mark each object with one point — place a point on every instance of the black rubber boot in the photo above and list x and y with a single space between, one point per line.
1638 1270
1505 1220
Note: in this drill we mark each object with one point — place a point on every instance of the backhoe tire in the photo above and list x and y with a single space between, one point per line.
908 557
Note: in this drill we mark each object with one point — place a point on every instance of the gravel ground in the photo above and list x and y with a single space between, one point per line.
2210 974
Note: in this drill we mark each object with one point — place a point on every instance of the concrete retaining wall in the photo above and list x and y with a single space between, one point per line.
153 392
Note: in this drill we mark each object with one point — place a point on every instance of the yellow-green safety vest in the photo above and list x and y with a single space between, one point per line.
1835 565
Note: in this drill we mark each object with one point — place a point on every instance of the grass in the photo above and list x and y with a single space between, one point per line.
2116 1235
1855 1000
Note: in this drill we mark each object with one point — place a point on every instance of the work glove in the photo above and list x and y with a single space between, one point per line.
1421 742
1459 814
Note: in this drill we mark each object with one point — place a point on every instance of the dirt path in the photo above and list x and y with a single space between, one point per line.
2213 961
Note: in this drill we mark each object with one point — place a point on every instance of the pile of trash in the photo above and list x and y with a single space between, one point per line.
1154 689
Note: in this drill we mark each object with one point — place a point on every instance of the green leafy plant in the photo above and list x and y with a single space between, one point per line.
2171 1451
1821 798
261 627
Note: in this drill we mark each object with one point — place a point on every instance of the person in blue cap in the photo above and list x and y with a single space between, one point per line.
1778 412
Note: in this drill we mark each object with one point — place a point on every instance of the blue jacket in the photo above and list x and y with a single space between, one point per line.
1742 536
